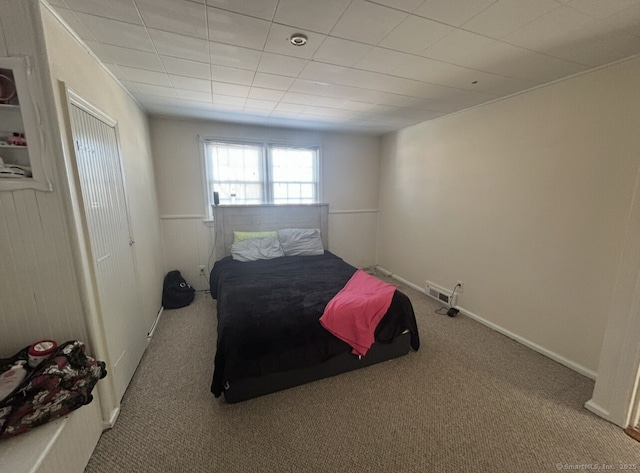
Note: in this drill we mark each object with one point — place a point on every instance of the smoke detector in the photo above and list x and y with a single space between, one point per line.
298 39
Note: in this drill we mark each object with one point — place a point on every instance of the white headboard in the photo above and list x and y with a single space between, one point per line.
256 218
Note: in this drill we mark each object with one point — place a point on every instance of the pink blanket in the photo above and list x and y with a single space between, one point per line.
354 313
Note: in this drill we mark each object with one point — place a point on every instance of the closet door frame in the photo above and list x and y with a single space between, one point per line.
109 401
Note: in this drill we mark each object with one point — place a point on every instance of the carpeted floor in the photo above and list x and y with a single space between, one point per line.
469 400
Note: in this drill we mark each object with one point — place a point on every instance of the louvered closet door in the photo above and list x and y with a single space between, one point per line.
105 207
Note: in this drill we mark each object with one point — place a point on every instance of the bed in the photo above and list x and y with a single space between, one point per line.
269 334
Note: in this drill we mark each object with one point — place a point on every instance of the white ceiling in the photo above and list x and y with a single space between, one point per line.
372 66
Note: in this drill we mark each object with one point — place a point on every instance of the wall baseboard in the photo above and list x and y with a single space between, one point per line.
534 346
596 409
155 324
112 419
522 340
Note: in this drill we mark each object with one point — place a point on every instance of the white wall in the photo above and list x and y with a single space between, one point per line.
39 293
526 200
350 166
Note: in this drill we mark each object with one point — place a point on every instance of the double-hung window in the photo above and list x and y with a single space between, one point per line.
260 173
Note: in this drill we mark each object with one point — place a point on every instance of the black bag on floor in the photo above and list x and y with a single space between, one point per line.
176 292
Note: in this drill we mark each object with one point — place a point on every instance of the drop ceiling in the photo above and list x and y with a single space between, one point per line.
369 66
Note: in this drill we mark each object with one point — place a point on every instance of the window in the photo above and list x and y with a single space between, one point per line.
250 173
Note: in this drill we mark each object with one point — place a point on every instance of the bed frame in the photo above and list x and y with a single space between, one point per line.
230 218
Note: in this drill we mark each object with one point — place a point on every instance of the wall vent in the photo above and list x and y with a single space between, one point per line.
440 294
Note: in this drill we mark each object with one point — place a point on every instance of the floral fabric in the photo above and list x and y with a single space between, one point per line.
60 384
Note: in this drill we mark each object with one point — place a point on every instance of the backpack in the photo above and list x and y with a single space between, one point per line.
176 292
58 385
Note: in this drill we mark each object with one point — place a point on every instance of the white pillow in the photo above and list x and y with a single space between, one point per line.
301 241
256 249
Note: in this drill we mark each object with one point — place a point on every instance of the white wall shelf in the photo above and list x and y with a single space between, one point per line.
20 115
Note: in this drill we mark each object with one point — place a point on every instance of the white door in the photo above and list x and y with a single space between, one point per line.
111 241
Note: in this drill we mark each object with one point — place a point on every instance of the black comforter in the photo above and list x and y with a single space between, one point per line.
268 315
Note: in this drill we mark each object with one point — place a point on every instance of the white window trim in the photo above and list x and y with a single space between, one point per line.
265 144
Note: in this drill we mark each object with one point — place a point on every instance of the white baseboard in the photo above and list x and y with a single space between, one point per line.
528 343
152 330
112 419
402 280
534 346
596 409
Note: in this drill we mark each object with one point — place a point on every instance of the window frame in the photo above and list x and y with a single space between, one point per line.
266 146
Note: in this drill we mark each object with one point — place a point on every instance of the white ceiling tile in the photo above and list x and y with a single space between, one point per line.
185 67
506 16
356 106
190 83
156 90
223 88
424 70
601 8
130 86
404 5
385 64
403 101
272 81
321 72
550 29
452 12
177 16
536 67
231 74
193 95
75 24
283 65
180 46
289 107
259 8
123 10
265 94
238 30
278 42
595 51
229 100
367 22
260 104
493 84
126 56
624 22
372 80
147 77
311 15
457 47
301 99
258 112
358 94
492 56
58 3
328 112
341 52
313 87
415 34
330 102
117 33
117 71
382 60
234 56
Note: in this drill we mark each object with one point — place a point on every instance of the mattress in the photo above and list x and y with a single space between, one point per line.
268 316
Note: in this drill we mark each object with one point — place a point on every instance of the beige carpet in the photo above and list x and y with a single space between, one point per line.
469 400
